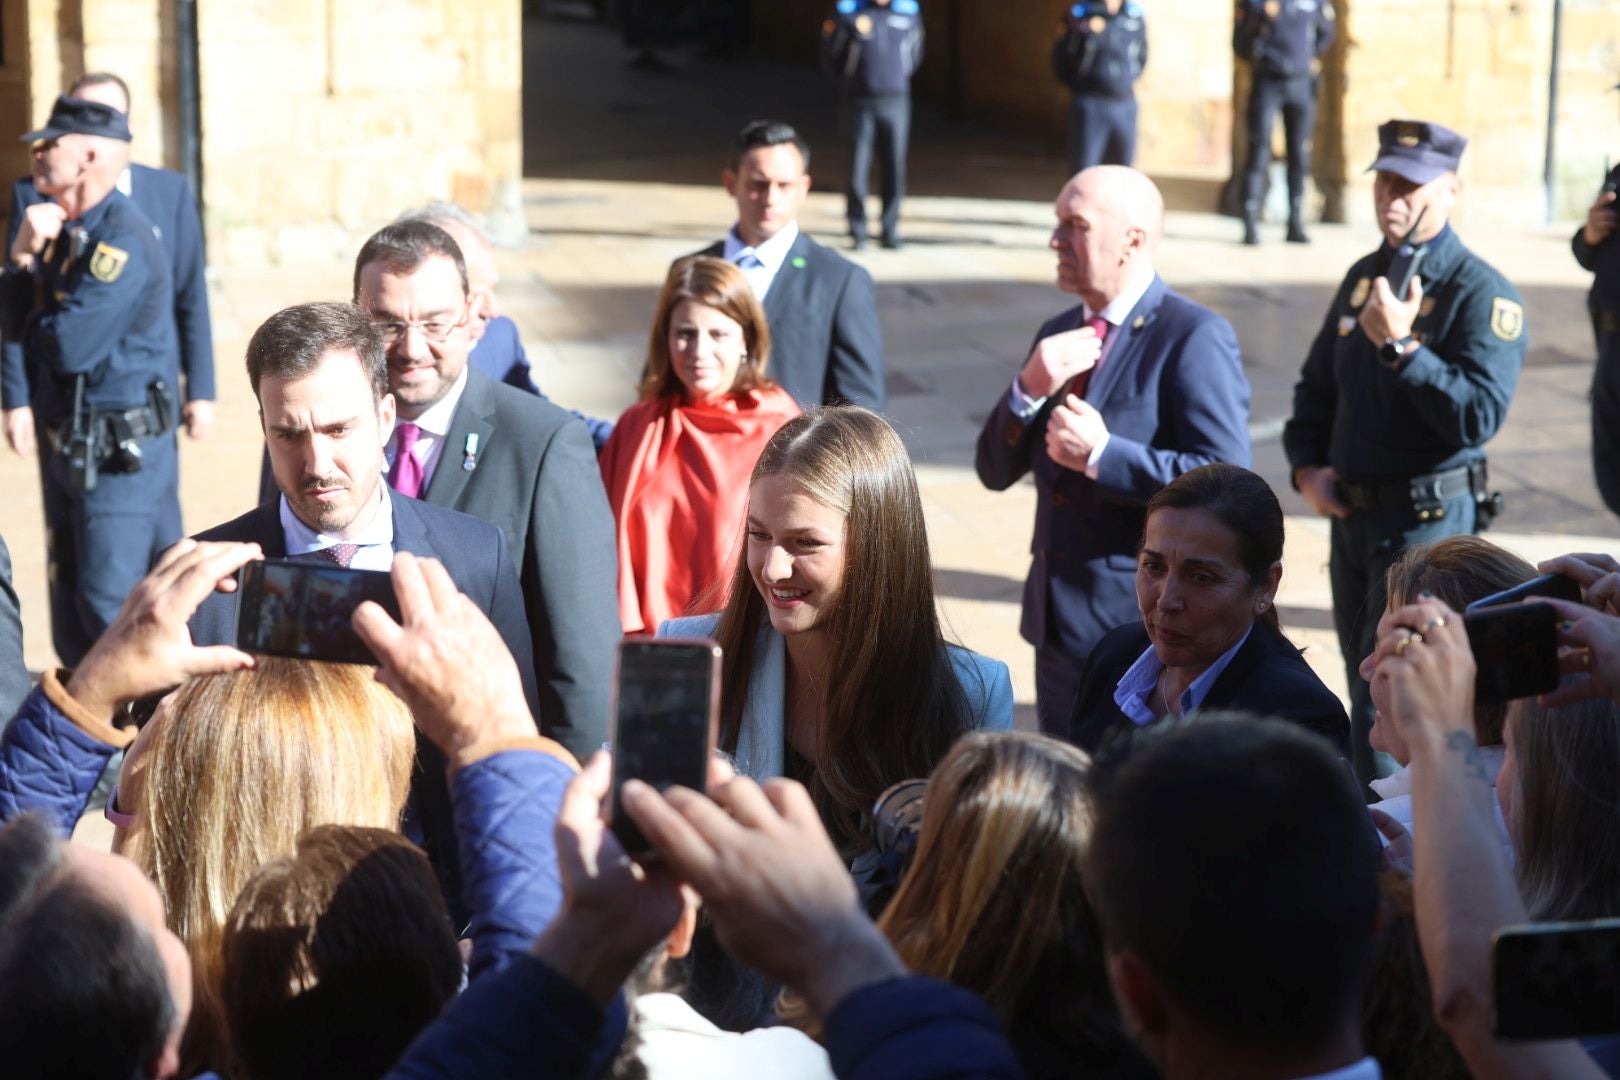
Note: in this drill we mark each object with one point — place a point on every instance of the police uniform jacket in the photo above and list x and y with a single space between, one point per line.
98 304
1604 263
1173 394
873 50
1283 37
1448 396
166 200
1099 53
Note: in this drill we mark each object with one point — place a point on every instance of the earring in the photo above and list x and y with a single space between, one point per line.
1262 606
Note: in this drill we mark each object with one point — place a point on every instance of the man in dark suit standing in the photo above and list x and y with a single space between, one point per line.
321 376
1119 396
826 341
166 199
517 461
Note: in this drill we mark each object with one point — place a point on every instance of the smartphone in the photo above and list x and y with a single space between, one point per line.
1556 980
1555 586
666 710
288 607
1515 650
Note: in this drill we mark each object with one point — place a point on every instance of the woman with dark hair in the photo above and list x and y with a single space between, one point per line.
835 669
1207 572
676 466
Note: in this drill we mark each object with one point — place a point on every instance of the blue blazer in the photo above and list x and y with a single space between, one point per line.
475 554
1174 397
762 739
826 340
166 200
1267 677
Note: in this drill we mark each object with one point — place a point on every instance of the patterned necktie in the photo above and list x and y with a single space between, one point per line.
1077 385
406 477
342 554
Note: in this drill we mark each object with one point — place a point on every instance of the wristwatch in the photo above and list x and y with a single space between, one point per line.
1393 351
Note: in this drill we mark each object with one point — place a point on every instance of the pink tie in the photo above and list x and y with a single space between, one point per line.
407 475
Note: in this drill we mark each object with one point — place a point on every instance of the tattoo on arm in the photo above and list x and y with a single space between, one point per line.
1473 759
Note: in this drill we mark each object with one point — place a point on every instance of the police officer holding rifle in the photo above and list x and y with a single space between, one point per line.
1401 390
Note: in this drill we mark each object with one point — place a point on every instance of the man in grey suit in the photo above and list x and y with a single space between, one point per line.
521 463
826 341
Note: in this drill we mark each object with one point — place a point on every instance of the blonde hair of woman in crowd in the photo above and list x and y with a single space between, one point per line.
231 771
992 901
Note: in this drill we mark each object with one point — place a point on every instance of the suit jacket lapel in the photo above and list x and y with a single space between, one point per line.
410 532
474 415
267 528
1236 674
789 281
1122 352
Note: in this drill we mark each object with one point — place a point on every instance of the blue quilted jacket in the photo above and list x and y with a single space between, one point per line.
47 762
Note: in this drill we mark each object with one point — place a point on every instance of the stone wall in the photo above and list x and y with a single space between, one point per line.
322 119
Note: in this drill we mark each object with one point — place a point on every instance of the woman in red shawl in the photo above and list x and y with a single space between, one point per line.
678 463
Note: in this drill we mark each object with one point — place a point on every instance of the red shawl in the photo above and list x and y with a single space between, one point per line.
677 479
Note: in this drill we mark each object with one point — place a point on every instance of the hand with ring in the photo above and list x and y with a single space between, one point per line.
1588 656
1428 673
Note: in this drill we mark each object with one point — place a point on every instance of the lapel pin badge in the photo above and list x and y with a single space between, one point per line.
469 453
1141 321
798 262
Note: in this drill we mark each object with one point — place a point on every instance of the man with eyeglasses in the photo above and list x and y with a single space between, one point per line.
469 443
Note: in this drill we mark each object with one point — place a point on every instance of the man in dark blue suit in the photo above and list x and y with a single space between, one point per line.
321 376
166 200
826 340
1119 396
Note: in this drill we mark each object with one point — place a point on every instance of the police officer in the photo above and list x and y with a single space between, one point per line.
873 47
86 291
1099 54
1281 40
1399 394
1597 250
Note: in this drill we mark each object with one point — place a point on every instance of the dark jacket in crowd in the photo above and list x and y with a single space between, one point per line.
500 355
1267 677
1099 53
873 50
14 680
1283 37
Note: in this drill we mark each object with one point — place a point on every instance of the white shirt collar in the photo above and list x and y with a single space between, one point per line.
302 540
1136 687
772 253
125 181
1120 307
436 420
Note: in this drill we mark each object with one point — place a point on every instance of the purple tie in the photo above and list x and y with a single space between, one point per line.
407 475
342 554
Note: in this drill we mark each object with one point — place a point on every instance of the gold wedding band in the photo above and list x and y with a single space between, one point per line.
1434 624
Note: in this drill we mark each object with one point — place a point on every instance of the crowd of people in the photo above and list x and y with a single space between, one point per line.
330 869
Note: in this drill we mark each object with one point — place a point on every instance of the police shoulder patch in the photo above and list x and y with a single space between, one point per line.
107 262
1507 319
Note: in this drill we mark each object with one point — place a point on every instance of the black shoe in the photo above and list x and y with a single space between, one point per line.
1296 233
892 242
1251 224
1296 222
857 243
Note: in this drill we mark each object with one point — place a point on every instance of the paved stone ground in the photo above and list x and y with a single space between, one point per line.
623 173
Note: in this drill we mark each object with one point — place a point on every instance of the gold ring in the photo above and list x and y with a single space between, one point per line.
1409 639
1434 624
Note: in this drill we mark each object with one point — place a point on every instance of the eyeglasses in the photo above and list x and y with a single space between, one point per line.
435 330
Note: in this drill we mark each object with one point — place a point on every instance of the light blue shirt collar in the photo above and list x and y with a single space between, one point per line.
1136 688
375 541
771 255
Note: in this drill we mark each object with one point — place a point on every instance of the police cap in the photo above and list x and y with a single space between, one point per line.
1417 150
75 116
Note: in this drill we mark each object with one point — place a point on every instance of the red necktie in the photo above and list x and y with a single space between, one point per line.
1077 385
406 477
342 554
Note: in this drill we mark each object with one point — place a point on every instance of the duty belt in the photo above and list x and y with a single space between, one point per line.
141 422
1426 494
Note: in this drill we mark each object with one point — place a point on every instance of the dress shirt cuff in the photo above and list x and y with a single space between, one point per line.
1092 466
1023 406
